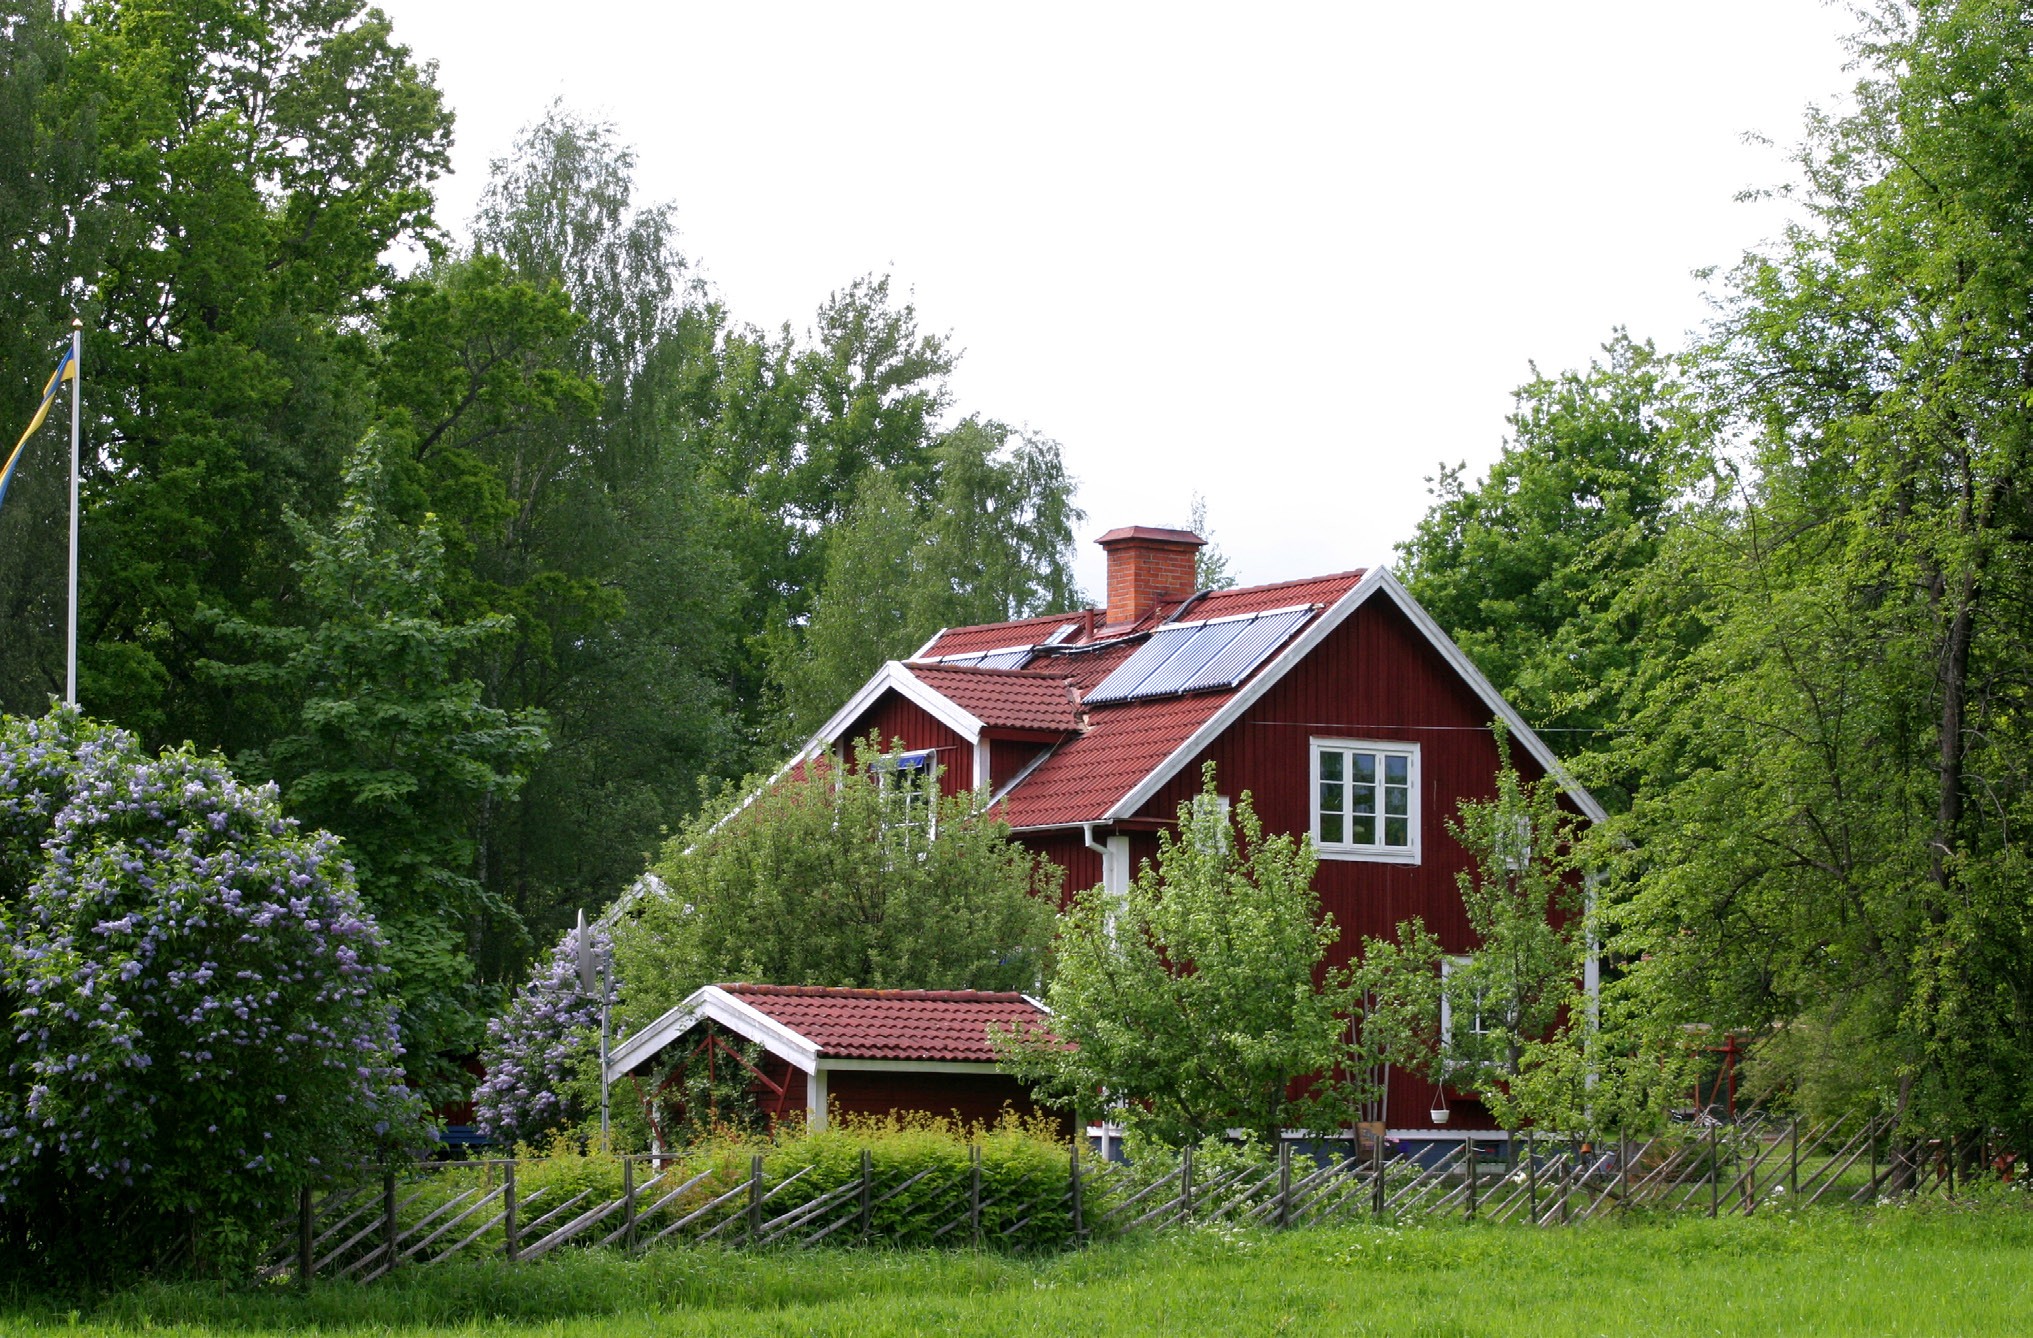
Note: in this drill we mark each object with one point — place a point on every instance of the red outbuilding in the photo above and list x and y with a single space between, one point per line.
846 1051
1336 701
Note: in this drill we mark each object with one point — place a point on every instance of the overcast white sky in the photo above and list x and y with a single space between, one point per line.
1287 255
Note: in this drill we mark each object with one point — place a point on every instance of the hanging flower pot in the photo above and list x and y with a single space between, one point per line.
1439 1111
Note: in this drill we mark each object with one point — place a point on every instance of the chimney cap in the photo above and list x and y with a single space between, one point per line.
1150 534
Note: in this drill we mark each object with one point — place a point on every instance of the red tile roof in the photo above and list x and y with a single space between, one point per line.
1004 698
941 1026
1000 636
1122 742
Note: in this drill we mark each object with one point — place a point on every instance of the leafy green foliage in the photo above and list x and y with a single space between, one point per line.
198 1020
1197 999
45 169
1527 570
1523 897
1829 849
837 872
994 543
388 746
253 164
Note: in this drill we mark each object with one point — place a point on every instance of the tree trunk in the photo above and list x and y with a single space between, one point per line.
1954 698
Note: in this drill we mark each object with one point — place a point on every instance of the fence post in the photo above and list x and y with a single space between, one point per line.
1714 1169
1623 1171
1079 1221
1871 1136
1532 1174
1793 1170
1469 1145
1186 1183
1377 1158
1573 1174
754 1197
628 1208
511 1246
306 1257
867 1165
1747 1176
1284 1183
974 1190
388 1227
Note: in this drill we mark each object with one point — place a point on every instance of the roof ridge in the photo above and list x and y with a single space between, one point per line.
1229 593
1039 674
852 992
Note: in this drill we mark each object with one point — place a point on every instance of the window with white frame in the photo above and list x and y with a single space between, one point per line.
1209 819
1366 799
1472 1011
909 784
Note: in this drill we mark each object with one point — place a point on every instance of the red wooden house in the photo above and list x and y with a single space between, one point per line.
1336 701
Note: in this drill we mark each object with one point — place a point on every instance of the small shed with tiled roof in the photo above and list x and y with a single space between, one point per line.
830 1051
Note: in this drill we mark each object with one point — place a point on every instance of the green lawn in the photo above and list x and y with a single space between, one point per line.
1938 1271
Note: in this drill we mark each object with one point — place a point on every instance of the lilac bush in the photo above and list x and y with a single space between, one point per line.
199 1025
537 1048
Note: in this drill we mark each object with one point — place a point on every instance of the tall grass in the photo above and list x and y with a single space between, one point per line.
1921 1270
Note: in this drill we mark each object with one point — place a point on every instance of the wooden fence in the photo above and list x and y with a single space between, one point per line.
426 1213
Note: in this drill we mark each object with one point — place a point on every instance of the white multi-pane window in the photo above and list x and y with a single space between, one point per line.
1209 817
1366 800
910 790
1472 1003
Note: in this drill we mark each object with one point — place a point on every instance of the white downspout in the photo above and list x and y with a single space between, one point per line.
1115 882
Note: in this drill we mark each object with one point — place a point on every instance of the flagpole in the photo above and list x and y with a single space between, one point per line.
77 379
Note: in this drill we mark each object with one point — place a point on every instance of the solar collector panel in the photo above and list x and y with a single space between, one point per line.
1130 675
1190 657
1187 662
1245 651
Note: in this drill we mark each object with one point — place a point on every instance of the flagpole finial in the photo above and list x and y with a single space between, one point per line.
77 322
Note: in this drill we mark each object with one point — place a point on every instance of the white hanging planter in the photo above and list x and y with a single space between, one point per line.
1439 1114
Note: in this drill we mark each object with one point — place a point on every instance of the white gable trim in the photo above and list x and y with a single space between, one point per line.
894 676
1493 699
710 1002
1375 579
891 675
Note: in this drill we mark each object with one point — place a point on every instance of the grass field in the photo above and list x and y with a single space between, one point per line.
1938 1270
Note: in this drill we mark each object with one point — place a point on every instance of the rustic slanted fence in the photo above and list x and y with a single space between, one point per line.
425 1213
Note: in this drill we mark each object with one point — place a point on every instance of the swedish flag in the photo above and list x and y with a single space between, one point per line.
66 370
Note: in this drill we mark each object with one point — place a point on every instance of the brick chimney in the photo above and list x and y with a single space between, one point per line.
1146 565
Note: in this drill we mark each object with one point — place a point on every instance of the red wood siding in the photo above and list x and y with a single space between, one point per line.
1374 677
1006 757
791 1105
1067 849
976 1098
895 717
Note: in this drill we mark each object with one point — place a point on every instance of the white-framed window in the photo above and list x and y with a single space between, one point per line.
1366 800
1474 1015
909 785
1209 814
